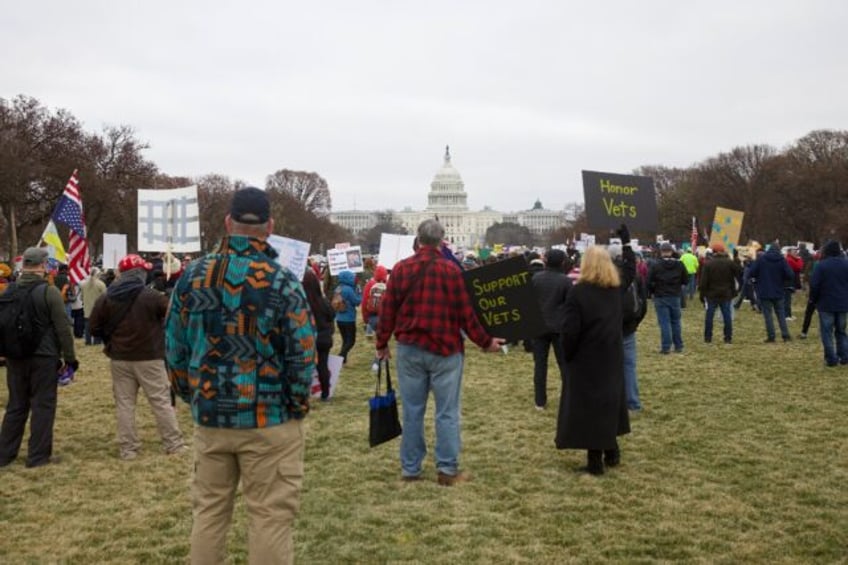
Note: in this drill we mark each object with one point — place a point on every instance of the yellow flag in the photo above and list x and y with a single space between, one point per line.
51 238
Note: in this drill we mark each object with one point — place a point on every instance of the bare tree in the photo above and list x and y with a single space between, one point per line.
310 189
37 156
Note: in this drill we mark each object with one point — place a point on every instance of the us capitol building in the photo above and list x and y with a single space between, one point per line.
447 200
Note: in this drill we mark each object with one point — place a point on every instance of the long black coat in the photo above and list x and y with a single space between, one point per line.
592 408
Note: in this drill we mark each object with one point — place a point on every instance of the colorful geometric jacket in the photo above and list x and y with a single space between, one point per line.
240 339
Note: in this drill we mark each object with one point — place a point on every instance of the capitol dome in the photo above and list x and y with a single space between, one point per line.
447 191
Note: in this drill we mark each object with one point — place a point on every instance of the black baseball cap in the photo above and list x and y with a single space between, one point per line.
250 205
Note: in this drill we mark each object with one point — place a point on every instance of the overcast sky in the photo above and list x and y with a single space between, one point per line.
368 93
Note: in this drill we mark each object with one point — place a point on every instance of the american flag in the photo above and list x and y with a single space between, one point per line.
694 236
69 212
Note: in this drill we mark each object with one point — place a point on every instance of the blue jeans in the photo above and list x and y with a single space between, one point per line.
371 325
90 339
726 316
774 305
418 373
833 324
787 301
541 349
631 385
691 286
668 317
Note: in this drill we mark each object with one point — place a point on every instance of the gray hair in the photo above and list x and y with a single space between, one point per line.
430 232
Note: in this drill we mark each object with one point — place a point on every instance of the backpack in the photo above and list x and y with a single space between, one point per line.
634 304
20 328
376 296
338 302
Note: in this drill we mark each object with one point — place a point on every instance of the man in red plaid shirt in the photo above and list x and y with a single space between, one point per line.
426 306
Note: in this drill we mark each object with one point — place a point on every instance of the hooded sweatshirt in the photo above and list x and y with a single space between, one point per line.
829 283
666 277
140 335
351 297
380 275
772 274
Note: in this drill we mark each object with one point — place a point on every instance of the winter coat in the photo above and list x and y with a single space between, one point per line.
592 408
772 273
626 264
718 278
666 277
551 287
380 275
92 289
351 296
829 282
797 266
58 340
324 327
140 336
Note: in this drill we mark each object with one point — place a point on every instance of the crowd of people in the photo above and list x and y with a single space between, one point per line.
237 337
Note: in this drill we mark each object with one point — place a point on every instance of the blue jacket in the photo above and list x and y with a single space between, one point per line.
829 283
351 296
772 274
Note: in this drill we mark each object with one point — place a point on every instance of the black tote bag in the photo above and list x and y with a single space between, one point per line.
384 424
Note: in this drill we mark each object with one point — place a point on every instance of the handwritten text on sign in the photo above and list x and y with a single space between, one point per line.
503 298
613 199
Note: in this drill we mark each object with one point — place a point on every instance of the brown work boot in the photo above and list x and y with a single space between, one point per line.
446 480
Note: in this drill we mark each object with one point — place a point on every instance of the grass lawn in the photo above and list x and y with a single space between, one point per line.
740 455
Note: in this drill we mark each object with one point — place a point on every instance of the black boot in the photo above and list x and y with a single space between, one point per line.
594 462
612 457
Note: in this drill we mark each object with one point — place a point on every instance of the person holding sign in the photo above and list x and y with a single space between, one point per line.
427 307
592 408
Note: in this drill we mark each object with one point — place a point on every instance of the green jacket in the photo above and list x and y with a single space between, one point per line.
690 261
58 340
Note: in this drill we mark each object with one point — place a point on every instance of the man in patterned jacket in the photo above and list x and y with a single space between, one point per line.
240 352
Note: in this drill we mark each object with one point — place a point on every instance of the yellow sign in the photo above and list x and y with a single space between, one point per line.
726 227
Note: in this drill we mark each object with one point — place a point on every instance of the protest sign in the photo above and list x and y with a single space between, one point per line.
334 363
394 248
612 200
114 249
168 220
291 253
348 259
726 227
503 297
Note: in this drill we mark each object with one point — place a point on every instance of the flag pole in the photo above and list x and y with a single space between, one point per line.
169 248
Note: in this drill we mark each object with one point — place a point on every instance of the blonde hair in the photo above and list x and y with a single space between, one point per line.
597 268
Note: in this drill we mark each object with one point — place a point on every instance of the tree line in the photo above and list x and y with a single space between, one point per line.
41 147
797 193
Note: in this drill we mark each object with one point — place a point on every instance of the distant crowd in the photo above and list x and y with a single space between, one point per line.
238 337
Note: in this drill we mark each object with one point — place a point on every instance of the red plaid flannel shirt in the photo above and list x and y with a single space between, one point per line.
431 312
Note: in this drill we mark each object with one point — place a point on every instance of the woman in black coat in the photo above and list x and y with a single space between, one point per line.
592 408
324 316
